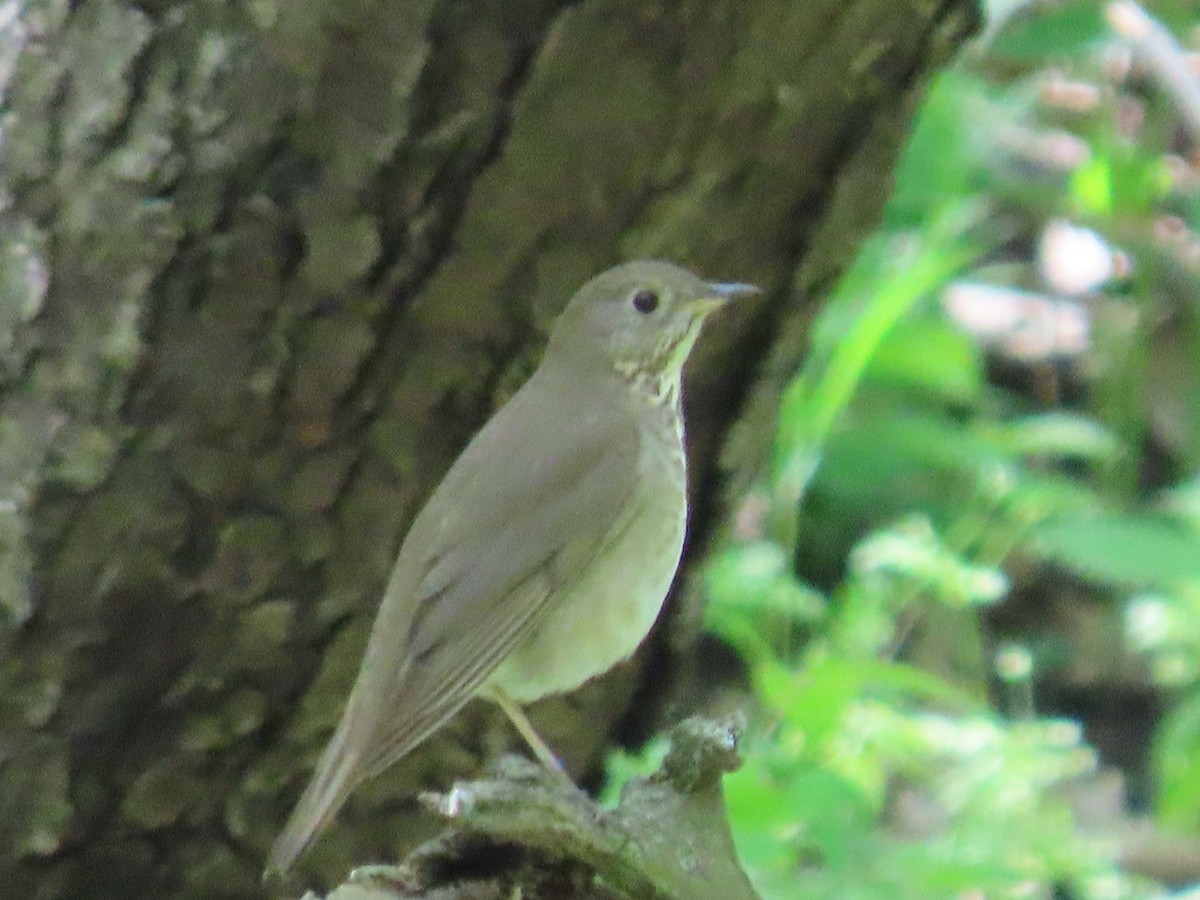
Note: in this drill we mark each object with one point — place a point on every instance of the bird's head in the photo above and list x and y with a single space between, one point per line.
642 318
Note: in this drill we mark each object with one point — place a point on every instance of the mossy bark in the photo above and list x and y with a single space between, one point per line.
525 832
264 266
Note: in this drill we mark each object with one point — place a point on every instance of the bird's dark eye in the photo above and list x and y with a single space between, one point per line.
645 301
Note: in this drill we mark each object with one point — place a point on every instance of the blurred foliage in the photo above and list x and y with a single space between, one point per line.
1001 398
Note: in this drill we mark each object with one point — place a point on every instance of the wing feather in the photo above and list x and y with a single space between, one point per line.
508 526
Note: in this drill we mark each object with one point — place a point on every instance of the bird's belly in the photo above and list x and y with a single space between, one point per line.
611 608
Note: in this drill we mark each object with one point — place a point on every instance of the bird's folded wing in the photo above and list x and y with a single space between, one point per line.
529 503
515 534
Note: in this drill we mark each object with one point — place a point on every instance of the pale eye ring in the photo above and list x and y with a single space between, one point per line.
645 300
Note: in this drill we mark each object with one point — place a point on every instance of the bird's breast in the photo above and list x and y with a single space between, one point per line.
601 616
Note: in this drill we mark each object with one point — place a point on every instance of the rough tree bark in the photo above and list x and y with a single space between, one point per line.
264 266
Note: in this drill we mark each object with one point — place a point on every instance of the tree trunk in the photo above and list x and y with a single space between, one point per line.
264 267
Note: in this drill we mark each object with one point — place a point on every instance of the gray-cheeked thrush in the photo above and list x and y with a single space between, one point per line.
544 556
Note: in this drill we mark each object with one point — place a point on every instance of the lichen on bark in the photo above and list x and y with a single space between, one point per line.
264 267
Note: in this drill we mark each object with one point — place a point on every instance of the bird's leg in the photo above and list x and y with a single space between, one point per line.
524 727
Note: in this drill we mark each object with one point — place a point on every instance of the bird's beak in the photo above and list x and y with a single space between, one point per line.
718 293
731 290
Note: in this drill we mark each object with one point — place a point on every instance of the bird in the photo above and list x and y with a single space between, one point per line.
544 556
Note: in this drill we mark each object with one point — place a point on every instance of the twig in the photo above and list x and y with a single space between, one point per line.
1156 45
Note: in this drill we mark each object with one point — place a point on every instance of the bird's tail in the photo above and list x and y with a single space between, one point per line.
337 774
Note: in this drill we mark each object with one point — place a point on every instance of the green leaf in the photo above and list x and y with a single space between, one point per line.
1056 434
833 811
1051 31
756 577
937 165
755 602
929 354
813 700
894 457
900 683
884 284
1122 549
1182 501
805 813
1119 180
1177 761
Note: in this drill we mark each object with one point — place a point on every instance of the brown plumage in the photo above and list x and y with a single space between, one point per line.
543 557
